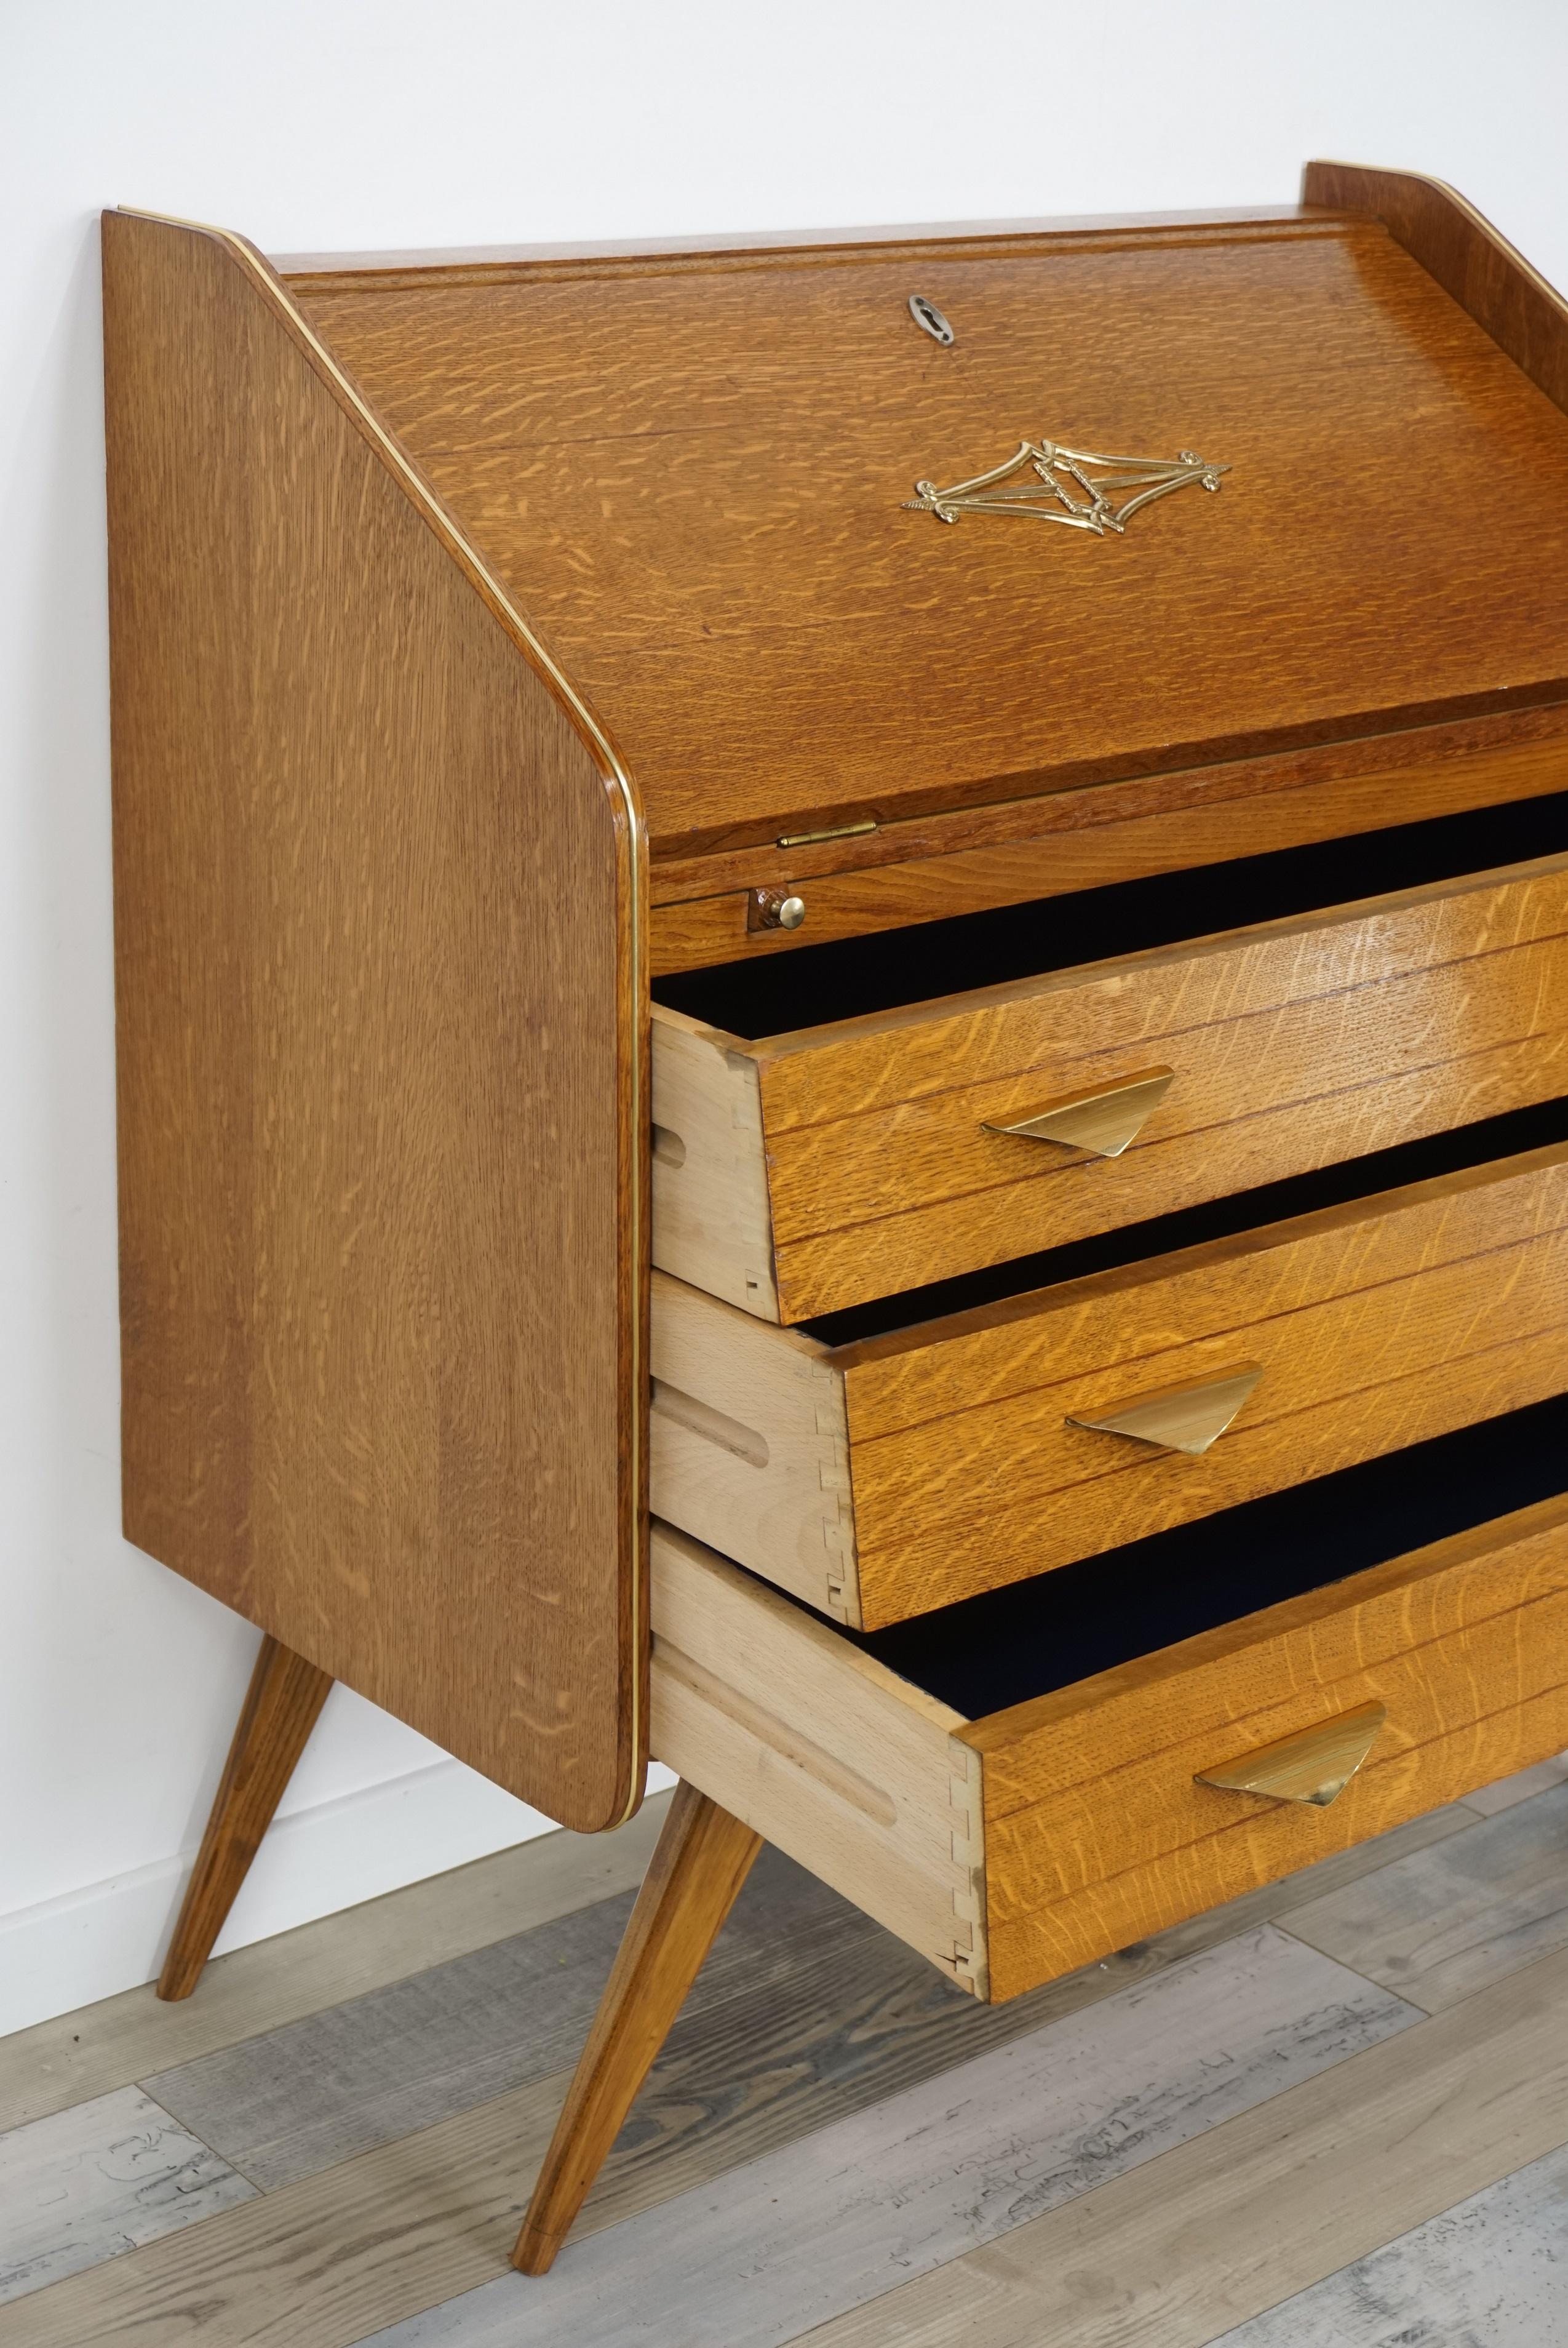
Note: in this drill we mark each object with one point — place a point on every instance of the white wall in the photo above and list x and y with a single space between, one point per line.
323 124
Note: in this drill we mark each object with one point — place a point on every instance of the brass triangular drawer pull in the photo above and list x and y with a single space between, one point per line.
1178 1418
1103 1120
1313 1766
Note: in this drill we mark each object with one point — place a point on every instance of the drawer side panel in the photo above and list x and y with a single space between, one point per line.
853 1772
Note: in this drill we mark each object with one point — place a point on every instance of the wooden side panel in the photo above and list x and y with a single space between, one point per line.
1521 313
1096 1834
748 1446
710 1218
381 1151
1295 1045
851 1770
1378 1324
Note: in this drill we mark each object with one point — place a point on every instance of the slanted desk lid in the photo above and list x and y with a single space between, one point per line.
700 478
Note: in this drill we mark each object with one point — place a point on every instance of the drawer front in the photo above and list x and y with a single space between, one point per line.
923 1467
1015 1848
1096 1828
1293 1046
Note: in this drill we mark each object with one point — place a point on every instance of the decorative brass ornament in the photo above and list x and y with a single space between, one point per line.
1102 1121
1054 467
1313 1767
1178 1418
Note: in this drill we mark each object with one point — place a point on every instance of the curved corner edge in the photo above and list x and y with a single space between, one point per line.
630 831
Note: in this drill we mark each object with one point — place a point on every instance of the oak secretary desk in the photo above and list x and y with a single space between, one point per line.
818 1078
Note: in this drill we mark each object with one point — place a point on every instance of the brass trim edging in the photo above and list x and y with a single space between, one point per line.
423 497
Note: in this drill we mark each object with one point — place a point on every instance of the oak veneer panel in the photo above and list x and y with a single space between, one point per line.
1094 836
693 478
380 1156
1095 1832
1296 1045
1523 315
954 1468
1076 1828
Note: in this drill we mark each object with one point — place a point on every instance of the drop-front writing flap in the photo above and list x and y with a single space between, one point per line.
863 530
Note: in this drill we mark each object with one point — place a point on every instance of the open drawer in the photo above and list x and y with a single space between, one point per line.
796 1173
882 1477
1014 1846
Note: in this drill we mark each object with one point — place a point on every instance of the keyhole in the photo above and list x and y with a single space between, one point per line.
927 315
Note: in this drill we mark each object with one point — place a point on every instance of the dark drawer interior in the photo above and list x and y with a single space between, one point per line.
1008 1646
849 978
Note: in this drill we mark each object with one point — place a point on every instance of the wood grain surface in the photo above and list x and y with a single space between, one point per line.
1489 2270
283 1705
262 1990
91 2183
905 1471
382 1157
928 869
692 477
856 1773
1296 1044
1438 1929
1523 315
924 2176
749 1445
1080 1829
1226 2227
704 1856
1095 1831
710 1218
1378 1322
805 2013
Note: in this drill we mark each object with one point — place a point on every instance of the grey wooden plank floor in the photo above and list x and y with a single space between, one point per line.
1490 2274
834 2137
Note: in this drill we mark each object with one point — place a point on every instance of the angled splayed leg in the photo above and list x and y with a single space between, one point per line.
280 1708
704 1856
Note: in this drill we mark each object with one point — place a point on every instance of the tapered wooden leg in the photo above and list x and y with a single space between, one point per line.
280 1708
704 1856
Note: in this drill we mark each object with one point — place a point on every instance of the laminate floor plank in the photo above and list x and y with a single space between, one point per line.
800 1990
825 2222
76 2056
331 2259
1220 2230
823 2011
823 2025
84 2185
1445 1922
1521 1787
1490 2274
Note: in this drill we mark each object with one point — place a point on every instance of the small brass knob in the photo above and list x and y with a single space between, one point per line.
770 909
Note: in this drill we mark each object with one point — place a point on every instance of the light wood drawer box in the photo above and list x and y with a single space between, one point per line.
1013 1849
805 1172
881 1479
